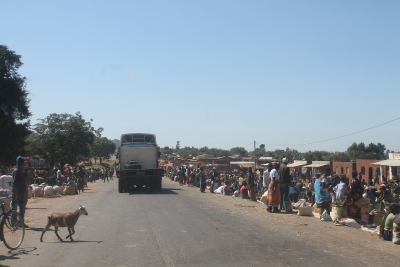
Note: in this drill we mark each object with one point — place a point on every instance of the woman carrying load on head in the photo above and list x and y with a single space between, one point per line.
274 191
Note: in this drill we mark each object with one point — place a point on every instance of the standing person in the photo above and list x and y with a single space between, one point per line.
214 178
19 188
80 178
341 189
251 184
285 181
274 191
322 192
111 172
266 178
59 174
202 180
354 198
376 177
181 176
92 175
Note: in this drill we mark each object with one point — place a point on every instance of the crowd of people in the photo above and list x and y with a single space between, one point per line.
282 187
76 177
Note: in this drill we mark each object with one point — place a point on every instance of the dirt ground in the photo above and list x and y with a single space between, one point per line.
38 208
352 243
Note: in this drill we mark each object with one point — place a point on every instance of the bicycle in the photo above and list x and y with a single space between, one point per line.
12 226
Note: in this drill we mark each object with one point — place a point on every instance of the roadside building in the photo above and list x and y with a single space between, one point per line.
344 169
296 165
206 159
390 168
366 168
317 167
265 160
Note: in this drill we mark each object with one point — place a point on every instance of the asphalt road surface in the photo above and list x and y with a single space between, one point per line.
180 226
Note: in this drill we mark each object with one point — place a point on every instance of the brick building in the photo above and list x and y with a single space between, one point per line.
367 170
344 169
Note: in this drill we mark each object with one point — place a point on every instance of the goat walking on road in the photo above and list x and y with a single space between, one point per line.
68 220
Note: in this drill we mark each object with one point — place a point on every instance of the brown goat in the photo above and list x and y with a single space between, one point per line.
68 220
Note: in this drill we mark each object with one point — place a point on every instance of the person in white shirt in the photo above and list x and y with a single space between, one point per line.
59 174
341 189
273 174
266 178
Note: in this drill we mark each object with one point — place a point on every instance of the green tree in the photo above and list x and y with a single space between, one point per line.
63 138
262 150
339 157
238 151
317 155
102 148
167 150
14 106
372 151
377 150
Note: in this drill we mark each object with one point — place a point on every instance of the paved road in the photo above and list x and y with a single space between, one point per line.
179 226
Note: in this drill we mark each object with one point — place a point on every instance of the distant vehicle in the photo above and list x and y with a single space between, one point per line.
138 162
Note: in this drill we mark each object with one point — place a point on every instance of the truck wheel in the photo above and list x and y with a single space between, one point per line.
158 183
120 186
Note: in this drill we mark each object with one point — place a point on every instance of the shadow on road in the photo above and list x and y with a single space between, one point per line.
13 254
67 241
36 208
34 229
163 191
3 258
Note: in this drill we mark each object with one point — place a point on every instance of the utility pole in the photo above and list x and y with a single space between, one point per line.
255 157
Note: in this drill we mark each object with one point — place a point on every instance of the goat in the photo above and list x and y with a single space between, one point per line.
67 219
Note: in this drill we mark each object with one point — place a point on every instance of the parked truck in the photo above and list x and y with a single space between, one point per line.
138 162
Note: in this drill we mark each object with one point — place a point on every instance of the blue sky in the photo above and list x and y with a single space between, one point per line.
215 73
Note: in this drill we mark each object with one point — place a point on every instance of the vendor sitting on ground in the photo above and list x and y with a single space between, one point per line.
386 227
299 186
396 230
243 190
293 193
227 188
219 190
72 183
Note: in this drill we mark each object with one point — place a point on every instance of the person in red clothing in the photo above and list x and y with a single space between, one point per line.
243 190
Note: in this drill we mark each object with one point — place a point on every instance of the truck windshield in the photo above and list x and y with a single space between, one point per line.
131 139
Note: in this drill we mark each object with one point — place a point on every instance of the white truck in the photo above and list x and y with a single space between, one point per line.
138 162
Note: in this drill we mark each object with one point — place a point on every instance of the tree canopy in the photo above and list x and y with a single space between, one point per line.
14 107
63 138
102 148
361 151
238 151
355 151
